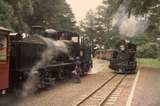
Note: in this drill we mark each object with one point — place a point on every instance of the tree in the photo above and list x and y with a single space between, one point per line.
20 15
100 25
140 39
6 13
53 13
93 28
148 50
144 8
22 9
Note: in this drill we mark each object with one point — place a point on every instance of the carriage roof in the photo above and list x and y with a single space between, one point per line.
4 29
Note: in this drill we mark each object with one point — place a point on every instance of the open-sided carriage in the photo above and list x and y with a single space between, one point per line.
4 59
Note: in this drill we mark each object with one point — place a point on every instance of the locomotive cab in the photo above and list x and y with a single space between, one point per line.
37 30
71 36
71 39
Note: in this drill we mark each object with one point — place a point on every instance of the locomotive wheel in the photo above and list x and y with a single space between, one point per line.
135 71
83 73
86 69
121 70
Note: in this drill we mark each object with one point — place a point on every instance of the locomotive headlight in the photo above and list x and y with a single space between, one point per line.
81 53
3 92
122 47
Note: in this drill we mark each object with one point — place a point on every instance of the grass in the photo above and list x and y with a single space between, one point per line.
154 63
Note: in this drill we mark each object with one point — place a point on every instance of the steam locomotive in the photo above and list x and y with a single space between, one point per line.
46 55
123 58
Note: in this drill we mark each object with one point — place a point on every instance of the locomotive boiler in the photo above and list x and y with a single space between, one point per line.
51 54
43 57
123 58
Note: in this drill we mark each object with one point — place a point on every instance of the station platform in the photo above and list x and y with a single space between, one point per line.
146 88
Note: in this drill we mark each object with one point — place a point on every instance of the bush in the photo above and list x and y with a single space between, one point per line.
148 50
154 63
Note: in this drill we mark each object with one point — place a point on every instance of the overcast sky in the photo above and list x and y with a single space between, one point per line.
80 7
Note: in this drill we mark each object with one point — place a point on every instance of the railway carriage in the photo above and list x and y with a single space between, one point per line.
104 54
4 59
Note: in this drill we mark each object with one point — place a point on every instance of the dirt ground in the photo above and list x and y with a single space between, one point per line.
67 93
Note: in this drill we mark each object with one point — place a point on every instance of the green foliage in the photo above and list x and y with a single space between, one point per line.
146 8
112 5
22 9
114 37
6 14
154 63
148 50
53 13
20 15
98 26
140 39
140 7
91 28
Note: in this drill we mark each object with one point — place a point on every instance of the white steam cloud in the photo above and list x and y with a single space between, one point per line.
53 49
98 66
129 27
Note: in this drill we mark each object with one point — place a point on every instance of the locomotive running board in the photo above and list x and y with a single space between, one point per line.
59 65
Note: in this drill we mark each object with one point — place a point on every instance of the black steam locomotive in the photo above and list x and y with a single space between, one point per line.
123 58
48 54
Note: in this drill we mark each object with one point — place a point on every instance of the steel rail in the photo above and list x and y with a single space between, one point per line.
92 93
104 101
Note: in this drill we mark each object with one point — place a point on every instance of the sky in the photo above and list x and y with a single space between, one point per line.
80 7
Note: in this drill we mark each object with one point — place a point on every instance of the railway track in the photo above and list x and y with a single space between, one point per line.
100 96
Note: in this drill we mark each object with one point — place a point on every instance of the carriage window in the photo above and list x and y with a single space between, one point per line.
75 39
3 48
